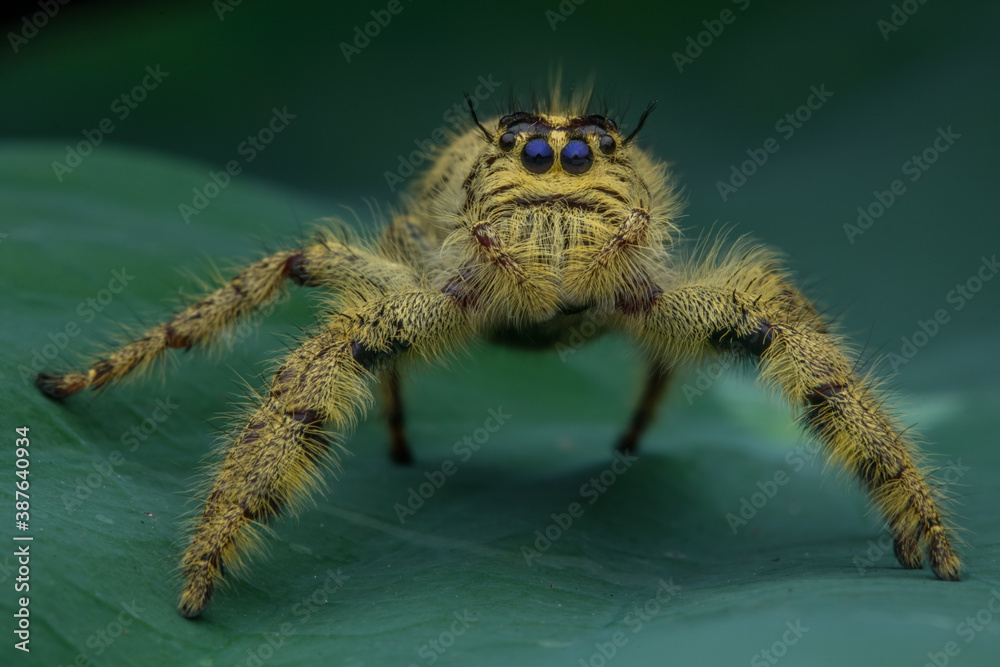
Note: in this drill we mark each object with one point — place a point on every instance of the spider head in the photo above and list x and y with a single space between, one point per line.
558 145
558 161
553 143
568 168
576 139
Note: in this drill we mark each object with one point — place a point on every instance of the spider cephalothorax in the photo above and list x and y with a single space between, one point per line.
515 235
519 212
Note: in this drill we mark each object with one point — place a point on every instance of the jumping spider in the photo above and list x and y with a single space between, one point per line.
517 235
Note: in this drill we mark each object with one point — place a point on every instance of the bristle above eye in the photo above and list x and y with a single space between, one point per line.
642 121
475 119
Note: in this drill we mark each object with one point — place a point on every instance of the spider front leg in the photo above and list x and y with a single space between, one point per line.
764 320
256 285
327 263
275 459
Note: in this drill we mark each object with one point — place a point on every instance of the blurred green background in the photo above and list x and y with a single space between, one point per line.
102 579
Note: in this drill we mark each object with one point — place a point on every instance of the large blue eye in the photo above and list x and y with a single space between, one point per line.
577 157
537 156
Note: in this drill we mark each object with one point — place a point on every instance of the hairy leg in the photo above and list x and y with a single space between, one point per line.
753 313
326 262
646 410
275 459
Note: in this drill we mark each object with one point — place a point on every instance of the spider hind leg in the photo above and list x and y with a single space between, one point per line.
399 446
645 412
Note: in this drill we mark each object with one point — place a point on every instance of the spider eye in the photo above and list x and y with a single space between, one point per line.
507 141
577 157
537 156
607 144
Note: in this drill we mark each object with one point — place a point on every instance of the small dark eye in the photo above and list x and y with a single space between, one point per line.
577 157
537 156
607 144
507 141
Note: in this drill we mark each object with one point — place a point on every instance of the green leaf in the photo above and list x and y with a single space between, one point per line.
650 571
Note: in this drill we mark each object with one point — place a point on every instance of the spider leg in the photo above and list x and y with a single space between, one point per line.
756 315
399 448
644 413
274 461
326 263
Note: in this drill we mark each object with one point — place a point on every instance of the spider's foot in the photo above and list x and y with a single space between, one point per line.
944 562
629 443
60 386
193 601
400 452
198 590
908 553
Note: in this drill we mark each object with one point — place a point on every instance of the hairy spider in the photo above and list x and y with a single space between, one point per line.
517 235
